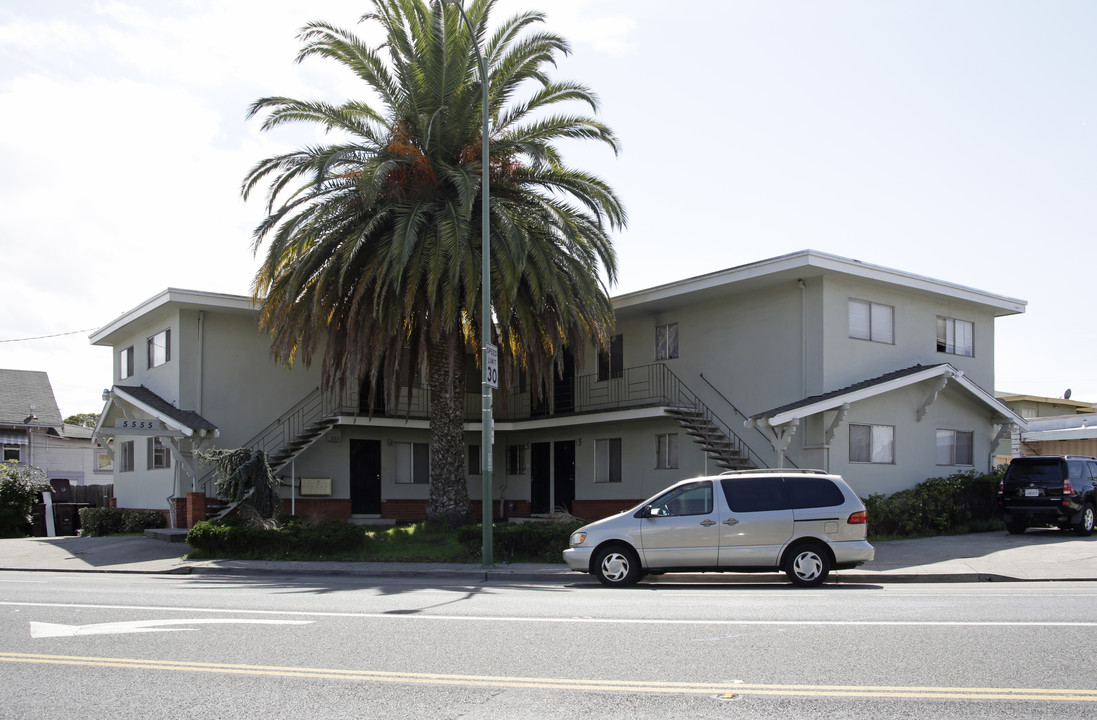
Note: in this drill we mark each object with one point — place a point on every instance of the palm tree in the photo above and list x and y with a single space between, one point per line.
373 242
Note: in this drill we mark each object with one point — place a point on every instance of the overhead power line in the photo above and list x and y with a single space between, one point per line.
46 337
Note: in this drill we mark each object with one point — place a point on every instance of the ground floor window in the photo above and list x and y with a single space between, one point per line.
11 453
607 460
872 443
412 463
955 447
516 460
666 451
159 456
125 456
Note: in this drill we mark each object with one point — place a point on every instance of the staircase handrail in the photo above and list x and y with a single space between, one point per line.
743 417
683 398
280 432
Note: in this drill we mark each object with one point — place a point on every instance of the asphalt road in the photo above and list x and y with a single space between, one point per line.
111 646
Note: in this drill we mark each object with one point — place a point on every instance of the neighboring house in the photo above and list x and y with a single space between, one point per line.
1042 414
807 360
33 433
1056 426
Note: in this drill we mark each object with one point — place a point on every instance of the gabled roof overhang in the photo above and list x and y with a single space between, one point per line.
944 373
125 399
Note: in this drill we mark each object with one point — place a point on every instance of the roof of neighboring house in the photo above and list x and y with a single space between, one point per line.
22 390
1079 405
878 386
802 265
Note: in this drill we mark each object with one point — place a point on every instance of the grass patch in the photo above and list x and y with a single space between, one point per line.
421 542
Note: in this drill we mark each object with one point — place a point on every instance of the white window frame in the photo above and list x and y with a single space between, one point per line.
516 460
666 341
159 348
159 455
607 460
12 452
948 448
125 363
881 447
412 463
955 337
666 451
125 457
871 321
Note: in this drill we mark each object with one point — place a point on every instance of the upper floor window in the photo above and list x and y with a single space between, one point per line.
955 336
872 444
611 362
871 321
955 447
125 363
160 348
666 341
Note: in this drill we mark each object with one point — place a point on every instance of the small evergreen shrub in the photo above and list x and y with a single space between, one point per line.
230 537
96 521
522 541
937 506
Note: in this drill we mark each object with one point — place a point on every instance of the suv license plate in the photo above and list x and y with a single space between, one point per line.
1032 492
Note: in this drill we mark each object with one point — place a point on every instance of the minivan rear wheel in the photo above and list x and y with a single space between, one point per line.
1084 528
617 566
807 565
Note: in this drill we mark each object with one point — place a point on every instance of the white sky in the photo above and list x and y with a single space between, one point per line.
956 140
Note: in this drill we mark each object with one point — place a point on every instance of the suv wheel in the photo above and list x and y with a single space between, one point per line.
807 565
1084 528
1016 528
617 566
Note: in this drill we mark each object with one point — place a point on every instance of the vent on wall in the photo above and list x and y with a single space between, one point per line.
315 486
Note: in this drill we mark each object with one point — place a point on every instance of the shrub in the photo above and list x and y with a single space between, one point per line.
521 542
19 488
114 521
937 506
236 538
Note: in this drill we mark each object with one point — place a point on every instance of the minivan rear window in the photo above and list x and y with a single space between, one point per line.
754 494
813 492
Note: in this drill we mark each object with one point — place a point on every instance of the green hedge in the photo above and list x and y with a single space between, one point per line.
521 541
234 538
117 521
935 507
19 488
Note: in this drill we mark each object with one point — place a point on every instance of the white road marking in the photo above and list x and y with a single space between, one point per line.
414 615
45 630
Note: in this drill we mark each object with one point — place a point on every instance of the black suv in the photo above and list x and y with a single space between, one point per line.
1049 490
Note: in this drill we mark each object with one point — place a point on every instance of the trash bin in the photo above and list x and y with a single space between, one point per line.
38 520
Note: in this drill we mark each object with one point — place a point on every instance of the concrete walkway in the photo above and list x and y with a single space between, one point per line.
1038 555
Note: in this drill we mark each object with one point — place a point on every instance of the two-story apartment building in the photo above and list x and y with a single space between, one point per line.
806 360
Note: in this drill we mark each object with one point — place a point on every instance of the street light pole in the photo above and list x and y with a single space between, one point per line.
487 430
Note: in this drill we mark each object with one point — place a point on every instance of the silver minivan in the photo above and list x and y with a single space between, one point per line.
805 522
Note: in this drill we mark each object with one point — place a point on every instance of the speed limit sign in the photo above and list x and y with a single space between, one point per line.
491 366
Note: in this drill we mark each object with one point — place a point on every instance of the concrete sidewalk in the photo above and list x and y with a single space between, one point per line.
1038 555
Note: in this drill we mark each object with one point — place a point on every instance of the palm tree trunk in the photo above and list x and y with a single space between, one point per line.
449 495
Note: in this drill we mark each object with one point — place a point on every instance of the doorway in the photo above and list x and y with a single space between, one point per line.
552 476
365 477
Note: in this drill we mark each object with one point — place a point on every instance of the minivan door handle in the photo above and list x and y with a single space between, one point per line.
731 521
707 523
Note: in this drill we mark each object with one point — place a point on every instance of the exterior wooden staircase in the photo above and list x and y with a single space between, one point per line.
724 449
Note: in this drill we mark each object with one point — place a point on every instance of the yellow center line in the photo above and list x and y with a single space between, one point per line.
842 691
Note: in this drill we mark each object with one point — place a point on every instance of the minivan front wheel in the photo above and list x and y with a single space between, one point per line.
1084 528
807 565
616 566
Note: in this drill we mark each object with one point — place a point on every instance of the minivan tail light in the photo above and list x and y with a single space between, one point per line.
858 518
